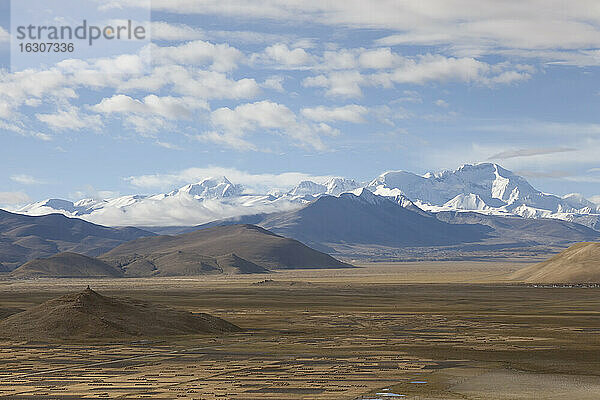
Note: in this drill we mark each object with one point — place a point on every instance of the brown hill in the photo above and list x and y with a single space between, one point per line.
250 245
579 263
66 265
24 238
90 315
184 263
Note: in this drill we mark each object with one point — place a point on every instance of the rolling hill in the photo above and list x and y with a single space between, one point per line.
66 265
579 263
24 238
242 248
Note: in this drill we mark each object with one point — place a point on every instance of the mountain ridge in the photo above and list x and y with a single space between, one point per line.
482 187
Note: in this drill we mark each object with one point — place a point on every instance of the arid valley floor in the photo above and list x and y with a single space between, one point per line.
446 330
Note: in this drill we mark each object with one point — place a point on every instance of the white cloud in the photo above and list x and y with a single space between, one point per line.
148 125
419 70
198 83
180 211
595 199
250 37
275 83
70 119
281 54
227 139
235 123
441 103
168 145
379 59
430 67
350 113
219 57
255 181
343 83
25 179
339 59
175 32
166 107
14 198
483 26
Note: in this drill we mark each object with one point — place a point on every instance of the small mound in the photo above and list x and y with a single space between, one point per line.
579 263
66 265
90 315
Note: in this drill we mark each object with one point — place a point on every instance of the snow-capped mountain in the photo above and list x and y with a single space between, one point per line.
333 187
210 188
484 188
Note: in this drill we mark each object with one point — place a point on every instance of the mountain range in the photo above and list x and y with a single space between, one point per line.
484 188
363 225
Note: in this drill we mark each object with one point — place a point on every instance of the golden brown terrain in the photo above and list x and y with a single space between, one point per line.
445 330
579 263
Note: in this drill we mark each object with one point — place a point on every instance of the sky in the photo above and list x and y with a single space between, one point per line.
276 92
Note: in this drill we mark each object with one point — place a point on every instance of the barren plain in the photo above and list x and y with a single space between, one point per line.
437 330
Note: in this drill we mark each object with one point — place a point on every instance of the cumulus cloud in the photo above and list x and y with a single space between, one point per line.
350 113
265 115
202 84
281 54
70 118
218 57
167 107
274 83
343 83
419 70
379 58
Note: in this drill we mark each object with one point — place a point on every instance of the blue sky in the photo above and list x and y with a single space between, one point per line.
353 88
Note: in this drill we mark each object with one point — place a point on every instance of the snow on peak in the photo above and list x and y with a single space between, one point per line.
484 187
337 186
365 195
210 188
308 188
42 207
467 202
494 185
